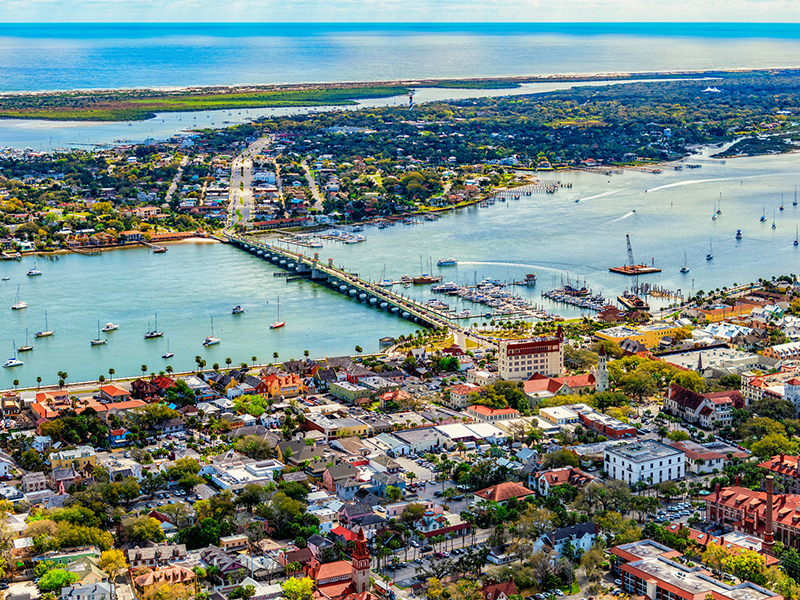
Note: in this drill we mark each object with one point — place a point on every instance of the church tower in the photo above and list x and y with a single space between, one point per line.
361 564
601 375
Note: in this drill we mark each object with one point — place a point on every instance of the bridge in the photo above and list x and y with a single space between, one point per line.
349 284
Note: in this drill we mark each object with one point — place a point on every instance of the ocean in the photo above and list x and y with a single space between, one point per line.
36 57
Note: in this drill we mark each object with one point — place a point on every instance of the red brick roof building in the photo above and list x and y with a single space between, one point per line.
504 492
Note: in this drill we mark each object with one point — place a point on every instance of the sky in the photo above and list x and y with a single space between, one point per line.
742 11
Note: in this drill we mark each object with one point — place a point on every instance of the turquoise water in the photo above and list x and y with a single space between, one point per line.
549 234
86 56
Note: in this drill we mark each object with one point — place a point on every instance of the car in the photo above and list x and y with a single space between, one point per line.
558 593
592 469
618 581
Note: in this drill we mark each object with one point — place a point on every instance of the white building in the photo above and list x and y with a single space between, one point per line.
647 461
519 359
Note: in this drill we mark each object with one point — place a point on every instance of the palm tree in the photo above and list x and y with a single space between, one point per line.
101 379
111 374
16 383
274 356
359 350
168 369
144 369
228 361
38 382
306 353
215 366
254 359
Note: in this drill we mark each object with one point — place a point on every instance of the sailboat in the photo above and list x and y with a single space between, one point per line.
781 202
6 277
738 234
773 219
277 324
710 254
153 333
167 354
719 208
763 214
796 236
98 341
211 340
34 271
714 214
14 361
685 267
19 304
385 282
27 347
795 196
47 331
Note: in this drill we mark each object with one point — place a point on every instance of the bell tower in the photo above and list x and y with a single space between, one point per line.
361 564
601 373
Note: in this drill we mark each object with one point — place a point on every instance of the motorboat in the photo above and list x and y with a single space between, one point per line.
110 327
167 354
237 310
34 271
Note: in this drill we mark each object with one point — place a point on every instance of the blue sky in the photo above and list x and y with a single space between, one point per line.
778 11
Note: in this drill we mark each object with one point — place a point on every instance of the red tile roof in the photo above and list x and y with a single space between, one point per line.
504 491
488 411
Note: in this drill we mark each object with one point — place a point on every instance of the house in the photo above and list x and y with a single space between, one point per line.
336 474
61 478
462 395
381 481
33 482
490 415
147 584
78 457
231 569
503 492
114 393
545 481
580 537
499 591
118 437
87 591
234 543
150 554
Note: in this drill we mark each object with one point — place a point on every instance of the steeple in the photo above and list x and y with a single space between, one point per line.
601 373
361 563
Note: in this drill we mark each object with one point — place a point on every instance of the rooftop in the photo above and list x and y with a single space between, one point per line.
643 451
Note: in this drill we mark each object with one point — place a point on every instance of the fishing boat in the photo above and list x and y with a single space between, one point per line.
47 332
14 361
167 354
710 254
237 310
447 262
19 304
34 271
27 347
153 333
110 327
278 324
763 214
738 234
98 341
685 267
211 340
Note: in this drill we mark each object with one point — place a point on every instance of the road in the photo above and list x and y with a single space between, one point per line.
241 204
313 185
176 180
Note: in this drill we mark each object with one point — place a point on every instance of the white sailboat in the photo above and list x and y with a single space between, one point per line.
27 347
773 219
796 236
710 254
98 341
34 271
211 340
167 354
719 208
795 196
47 332
14 361
278 324
19 304
763 214
685 267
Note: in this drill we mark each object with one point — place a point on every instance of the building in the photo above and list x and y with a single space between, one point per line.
710 411
707 458
580 536
648 335
519 359
786 470
150 554
490 415
649 570
545 481
33 482
646 461
78 457
462 395
602 424
788 351
503 492
342 580
147 584
558 415
87 591
601 372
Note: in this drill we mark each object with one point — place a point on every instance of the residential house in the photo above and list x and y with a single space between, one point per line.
502 492
33 482
580 537
147 584
87 591
336 474
545 481
151 554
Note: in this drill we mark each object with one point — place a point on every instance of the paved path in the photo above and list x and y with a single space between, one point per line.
313 185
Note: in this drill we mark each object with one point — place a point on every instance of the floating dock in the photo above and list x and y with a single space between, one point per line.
633 270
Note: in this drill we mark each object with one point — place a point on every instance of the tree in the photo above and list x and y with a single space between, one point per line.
252 495
111 374
113 562
298 589
140 529
144 369
243 591
54 580
393 494
559 458
746 565
359 350
678 435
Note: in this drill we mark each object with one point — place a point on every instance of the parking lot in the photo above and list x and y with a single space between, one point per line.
421 473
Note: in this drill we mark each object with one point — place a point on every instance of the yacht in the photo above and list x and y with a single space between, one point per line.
27 347
19 304
685 267
763 215
167 354
14 361
110 327
153 333
98 341
278 324
710 254
47 332
211 340
796 236
34 271
237 310
447 262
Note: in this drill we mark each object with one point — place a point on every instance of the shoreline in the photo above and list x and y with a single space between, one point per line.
135 100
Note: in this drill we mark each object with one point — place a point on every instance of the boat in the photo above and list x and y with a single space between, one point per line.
773 219
632 302
27 347
98 341
34 271
795 196
719 208
714 214
14 361
278 324
153 333
384 282
19 304
47 332
211 340
110 327
781 208
237 310
685 267
159 250
796 238
167 354
425 278
738 234
447 262
763 214
710 254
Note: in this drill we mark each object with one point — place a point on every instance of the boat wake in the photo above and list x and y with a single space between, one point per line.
696 181
598 195
623 217
502 264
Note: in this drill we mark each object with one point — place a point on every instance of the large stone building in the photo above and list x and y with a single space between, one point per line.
519 359
644 461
